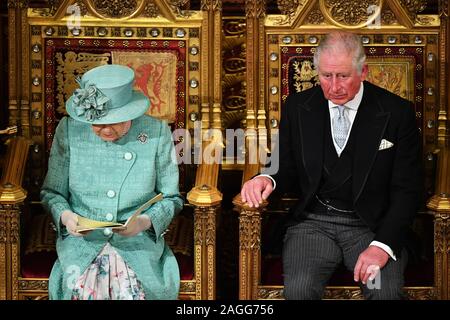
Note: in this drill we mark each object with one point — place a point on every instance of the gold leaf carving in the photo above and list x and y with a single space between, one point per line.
343 293
234 28
351 13
288 8
270 293
425 20
388 17
50 9
255 9
151 10
315 17
115 8
250 230
18 3
178 8
414 6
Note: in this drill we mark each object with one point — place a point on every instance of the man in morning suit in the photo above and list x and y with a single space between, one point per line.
350 150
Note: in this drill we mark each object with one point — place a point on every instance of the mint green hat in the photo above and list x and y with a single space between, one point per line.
106 96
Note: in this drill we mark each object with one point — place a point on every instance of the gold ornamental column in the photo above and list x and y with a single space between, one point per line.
440 202
205 196
12 196
250 218
18 36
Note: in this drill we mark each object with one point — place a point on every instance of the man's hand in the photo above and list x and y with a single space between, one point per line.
256 190
136 225
70 220
367 263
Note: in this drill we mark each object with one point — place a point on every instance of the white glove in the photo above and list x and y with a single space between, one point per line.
70 220
135 226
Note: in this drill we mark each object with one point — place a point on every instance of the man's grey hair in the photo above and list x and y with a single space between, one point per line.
340 41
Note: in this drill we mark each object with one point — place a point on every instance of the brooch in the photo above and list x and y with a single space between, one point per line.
142 137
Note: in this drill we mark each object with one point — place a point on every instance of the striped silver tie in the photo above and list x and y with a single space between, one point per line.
341 125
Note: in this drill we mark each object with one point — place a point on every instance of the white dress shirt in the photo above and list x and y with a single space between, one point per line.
352 106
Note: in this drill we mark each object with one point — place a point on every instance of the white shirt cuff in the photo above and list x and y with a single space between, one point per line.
385 248
273 181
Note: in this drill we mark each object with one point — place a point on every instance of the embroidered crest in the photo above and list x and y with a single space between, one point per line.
142 137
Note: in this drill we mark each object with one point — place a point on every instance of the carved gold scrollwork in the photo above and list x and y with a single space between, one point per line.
14 228
9 220
255 9
2 228
211 226
315 17
414 7
33 285
288 8
343 293
234 28
151 9
425 21
265 293
82 7
249 230
205 223
50 9
441 233
351 13
421 294
18 4
198 225
187 286
178 7
235 97
388 17
235 63
116 8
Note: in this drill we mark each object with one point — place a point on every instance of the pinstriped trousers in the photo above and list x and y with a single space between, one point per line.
315 247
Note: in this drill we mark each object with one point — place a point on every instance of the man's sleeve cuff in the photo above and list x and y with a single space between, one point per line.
274 184
385 247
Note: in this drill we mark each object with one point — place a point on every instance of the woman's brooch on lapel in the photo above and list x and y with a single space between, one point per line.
143 137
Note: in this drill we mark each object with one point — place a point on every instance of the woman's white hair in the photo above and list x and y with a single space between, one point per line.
340 41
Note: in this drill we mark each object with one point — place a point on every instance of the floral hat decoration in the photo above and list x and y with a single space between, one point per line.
106 96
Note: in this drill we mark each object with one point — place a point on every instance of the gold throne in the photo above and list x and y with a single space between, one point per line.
170 46
405 50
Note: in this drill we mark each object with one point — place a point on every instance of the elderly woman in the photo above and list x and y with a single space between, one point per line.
107 159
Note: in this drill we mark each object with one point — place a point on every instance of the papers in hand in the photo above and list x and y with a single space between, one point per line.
85 224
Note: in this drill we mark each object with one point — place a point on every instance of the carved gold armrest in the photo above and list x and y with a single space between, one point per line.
249 247
11 190
206 200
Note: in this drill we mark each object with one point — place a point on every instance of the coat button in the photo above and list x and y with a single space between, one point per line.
111 194
107 232
109 217
128 156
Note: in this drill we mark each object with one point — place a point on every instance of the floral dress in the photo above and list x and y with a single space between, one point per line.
108 278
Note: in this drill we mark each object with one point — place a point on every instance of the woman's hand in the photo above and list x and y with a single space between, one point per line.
135 226
70 220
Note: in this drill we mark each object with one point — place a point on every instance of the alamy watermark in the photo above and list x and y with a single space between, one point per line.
249 146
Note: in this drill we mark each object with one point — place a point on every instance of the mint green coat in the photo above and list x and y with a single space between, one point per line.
108 181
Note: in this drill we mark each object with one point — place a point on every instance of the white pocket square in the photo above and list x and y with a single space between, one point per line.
385 144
